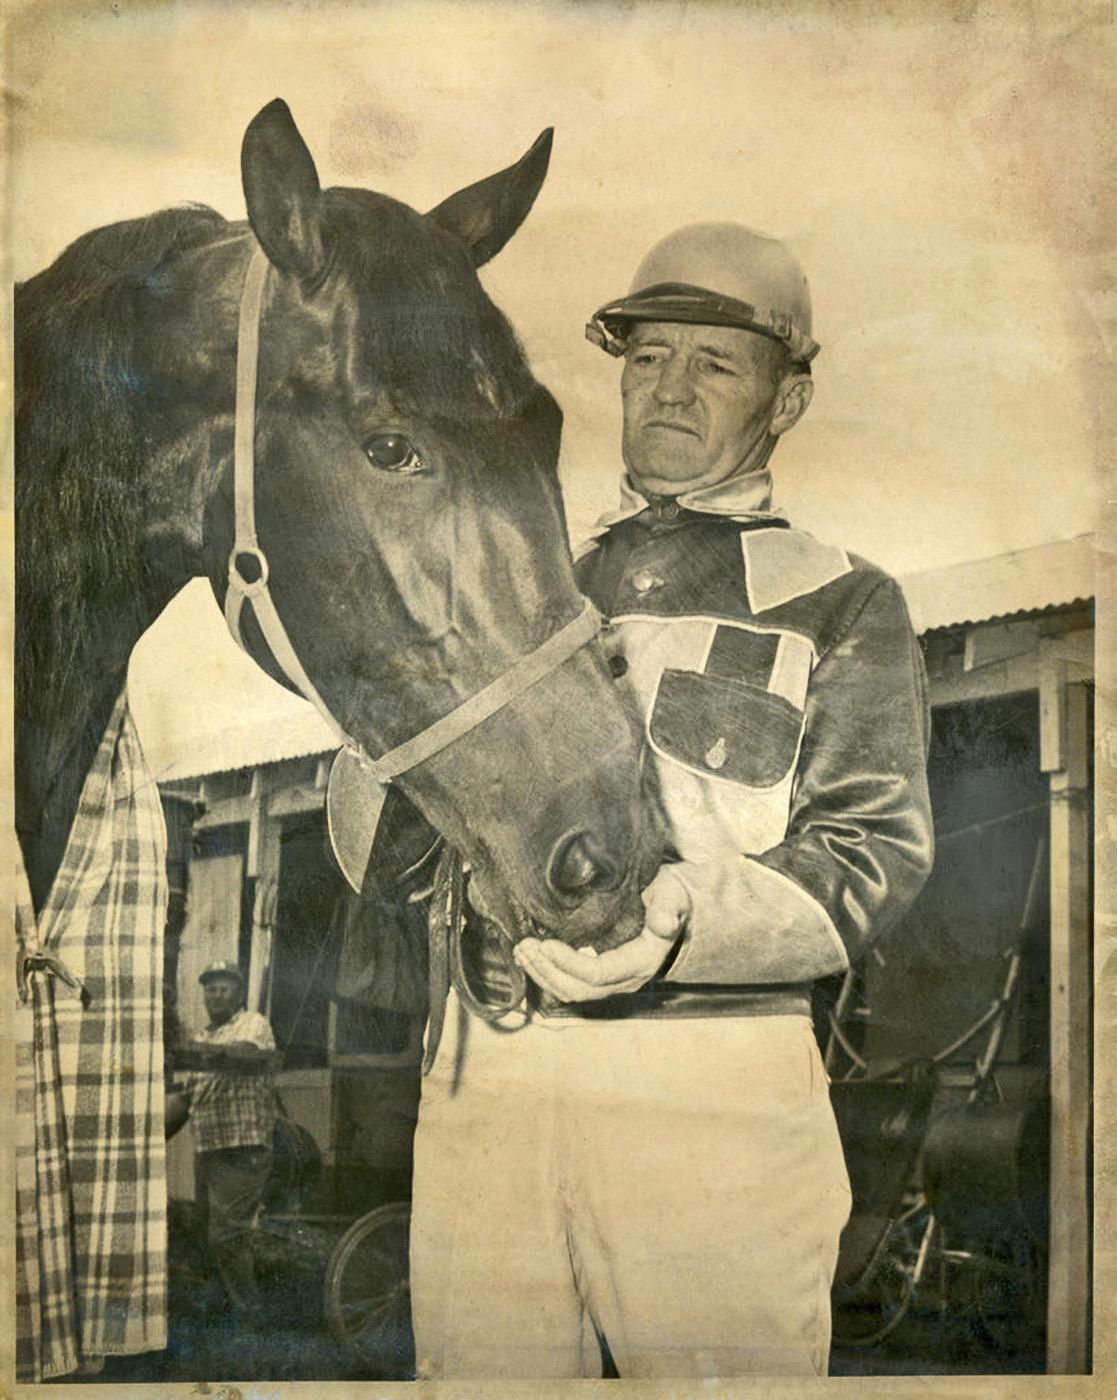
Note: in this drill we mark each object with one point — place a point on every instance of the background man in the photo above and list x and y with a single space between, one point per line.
653 1161
233 1110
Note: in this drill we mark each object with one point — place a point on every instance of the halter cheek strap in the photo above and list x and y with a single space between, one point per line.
246 550
358 783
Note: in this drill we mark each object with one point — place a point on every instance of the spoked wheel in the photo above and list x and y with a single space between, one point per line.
878 1308
368 1292
1009 1295
874 1311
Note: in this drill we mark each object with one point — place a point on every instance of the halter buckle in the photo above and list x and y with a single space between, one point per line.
248 587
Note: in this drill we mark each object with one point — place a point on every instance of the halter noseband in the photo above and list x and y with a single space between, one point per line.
353 768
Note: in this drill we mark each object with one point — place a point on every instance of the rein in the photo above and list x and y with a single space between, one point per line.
446 928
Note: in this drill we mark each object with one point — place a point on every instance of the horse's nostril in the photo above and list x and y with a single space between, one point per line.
578 867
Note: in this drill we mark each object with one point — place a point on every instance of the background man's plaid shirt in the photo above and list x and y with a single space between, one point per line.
234 1110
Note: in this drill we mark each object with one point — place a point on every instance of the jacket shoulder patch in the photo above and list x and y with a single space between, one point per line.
781 565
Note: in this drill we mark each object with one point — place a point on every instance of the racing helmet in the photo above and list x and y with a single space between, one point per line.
715 275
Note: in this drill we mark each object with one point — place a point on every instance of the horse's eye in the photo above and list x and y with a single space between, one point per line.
392 452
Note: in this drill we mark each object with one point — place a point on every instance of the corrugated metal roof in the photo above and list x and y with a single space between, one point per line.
1024 580
291 735
203 706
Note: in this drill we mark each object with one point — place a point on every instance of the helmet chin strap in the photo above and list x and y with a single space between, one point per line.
358 784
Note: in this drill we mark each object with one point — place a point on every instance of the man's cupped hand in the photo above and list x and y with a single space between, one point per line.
582 974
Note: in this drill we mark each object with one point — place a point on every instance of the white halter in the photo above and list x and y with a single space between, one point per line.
358 783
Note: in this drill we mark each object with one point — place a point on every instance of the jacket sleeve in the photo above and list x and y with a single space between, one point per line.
859 842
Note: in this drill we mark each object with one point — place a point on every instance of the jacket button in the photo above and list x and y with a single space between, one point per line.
618 666
644 581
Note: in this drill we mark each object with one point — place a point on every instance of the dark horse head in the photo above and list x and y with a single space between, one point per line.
406 499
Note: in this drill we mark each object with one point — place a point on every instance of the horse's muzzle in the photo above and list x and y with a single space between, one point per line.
599 918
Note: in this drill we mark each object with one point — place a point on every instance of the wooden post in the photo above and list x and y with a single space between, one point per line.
264 841
1064 756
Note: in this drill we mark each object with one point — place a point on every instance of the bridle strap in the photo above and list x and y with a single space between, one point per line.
523 674
240 590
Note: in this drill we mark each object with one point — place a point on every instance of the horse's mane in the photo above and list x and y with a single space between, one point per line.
78 449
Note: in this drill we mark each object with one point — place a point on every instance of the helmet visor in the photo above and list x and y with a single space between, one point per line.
677 301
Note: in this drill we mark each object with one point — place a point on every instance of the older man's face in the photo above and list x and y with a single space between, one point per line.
222 996
698 403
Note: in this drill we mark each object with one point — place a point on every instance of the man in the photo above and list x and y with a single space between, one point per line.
652 1162
233 1110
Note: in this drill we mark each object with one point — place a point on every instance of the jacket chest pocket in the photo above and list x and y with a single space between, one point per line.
725 728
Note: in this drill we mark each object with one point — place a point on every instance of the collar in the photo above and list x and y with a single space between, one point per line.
211 1029
742 498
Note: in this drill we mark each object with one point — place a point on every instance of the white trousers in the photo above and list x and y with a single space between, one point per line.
675 1186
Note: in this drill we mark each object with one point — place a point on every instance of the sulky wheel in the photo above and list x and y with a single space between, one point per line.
878 1308
1010 1295
368 1293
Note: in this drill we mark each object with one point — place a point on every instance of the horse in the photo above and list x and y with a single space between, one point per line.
404 522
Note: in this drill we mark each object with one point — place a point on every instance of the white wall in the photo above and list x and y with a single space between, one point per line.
212 929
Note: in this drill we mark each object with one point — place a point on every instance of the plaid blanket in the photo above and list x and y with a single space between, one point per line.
90 1160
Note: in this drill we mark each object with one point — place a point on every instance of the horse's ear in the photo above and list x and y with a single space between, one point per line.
486 215
282 192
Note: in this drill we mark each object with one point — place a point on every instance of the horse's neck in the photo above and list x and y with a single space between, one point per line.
50 771
57 738
75 660
56 742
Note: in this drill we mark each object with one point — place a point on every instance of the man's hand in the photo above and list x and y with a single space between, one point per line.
233 1057
582 975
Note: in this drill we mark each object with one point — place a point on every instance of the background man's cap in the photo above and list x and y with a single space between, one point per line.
221 969
715 275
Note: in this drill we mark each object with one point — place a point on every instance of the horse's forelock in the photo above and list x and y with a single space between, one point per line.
426 323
